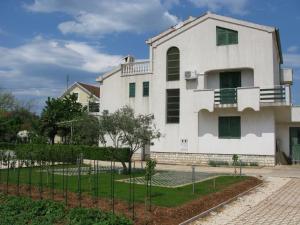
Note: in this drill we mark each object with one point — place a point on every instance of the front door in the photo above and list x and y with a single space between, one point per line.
295 144
229 81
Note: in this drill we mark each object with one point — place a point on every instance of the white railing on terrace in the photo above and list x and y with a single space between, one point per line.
135 68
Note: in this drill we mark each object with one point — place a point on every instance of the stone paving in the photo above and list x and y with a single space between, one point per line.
282 207
173 178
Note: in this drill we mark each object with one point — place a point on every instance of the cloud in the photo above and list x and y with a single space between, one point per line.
38 69
67 54
238 7
292 60
108 16
293 49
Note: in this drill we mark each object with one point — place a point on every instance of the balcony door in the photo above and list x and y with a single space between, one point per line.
229 81
295 144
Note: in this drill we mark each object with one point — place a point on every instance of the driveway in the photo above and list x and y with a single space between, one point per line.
276 202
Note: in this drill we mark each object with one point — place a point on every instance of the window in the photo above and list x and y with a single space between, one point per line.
93 107
131 90
173 102
173 64
230 127
76 96
146 88
226 36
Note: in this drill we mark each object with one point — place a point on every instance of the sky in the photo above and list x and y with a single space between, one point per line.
44 41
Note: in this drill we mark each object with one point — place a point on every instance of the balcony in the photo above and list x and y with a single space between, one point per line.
135 68
241 98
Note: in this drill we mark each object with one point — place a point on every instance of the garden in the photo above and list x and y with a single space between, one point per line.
58 172
78 183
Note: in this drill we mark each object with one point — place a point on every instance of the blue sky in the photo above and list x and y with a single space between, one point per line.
43 41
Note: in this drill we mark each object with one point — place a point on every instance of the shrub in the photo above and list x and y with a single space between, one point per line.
22 210
216 163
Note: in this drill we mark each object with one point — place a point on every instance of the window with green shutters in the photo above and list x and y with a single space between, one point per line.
131 90
173 64
173 103
146 88
230 127
226 36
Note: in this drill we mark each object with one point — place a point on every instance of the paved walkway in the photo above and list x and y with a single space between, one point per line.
282 207
276 202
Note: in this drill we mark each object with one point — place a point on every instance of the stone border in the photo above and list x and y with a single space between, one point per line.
184 158
205 213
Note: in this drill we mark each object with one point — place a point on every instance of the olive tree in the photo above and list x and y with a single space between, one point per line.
125 129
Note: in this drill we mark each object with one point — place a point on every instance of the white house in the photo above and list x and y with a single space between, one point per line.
216 88
88 95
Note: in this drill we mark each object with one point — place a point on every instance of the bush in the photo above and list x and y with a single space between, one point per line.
216 163
22 210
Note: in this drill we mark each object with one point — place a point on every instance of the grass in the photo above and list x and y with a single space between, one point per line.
161 196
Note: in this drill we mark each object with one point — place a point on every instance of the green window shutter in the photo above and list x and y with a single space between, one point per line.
131 90
173 64
146 88
232 37
173 105
230 127
221 36
226 36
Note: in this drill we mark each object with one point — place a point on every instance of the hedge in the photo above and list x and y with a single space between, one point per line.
66 153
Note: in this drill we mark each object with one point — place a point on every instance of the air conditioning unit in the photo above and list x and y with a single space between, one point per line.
187 74
190 75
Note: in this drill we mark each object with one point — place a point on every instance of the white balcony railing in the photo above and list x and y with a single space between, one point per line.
135 68
242 98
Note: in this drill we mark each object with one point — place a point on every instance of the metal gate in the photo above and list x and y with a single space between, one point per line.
295 144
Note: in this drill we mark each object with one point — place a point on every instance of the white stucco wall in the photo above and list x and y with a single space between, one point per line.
257 133
253 56
198 51
115 93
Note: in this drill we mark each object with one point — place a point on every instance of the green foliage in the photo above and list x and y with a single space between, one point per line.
65 153
235 158
124 128
216 163
60 110
150 169
22 210
86 130
83 216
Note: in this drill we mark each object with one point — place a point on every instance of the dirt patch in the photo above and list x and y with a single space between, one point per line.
158 215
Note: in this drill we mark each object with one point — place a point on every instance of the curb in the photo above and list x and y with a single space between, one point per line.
203 214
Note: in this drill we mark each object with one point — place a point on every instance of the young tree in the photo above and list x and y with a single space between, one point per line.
58 110
125 129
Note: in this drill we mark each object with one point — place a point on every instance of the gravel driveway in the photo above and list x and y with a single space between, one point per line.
276 202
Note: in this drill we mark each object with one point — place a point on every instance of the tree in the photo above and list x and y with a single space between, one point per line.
15 116
86 130
123 128
59 110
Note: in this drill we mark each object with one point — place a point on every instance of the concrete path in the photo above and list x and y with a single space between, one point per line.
276 171
277 202
281 208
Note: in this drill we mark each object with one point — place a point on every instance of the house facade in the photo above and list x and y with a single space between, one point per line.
216 88
88 95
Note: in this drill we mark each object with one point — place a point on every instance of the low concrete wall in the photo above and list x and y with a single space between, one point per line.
203 159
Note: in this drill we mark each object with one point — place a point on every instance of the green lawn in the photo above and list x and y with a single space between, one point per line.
162 196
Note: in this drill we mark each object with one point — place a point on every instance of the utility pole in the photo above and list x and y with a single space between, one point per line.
67 81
